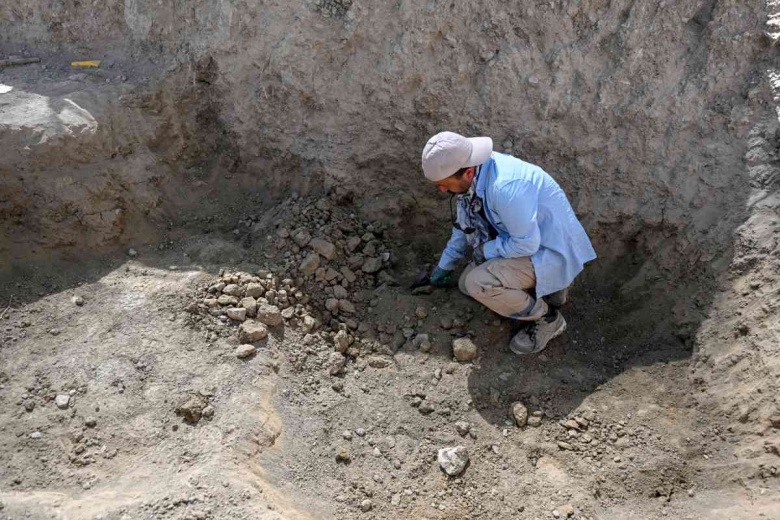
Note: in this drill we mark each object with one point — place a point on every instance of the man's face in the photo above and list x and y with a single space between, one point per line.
457 184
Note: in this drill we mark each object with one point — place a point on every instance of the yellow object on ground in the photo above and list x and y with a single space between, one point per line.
91 64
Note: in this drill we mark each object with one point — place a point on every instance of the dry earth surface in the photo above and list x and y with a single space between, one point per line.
207 244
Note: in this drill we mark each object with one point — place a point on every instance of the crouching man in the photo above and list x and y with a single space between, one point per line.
527 244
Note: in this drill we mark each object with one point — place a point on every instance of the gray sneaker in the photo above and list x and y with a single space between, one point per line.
534 339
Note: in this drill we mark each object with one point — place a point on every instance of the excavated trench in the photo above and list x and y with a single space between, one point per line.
658 120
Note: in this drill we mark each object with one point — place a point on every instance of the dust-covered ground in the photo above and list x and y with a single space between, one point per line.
207 244
129 393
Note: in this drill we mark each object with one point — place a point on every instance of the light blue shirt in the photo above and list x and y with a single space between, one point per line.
533 218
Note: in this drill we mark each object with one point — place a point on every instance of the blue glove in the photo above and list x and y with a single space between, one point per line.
441 277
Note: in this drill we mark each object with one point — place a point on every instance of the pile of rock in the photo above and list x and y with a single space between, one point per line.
319 274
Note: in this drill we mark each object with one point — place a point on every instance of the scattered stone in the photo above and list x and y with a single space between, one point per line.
462 428
29 405
232 289
237 314
347 435
191 409
360 432
565 510
250 304
534 421
464 349
422 290
288 313
225 299
309 264
244 351
571 424
269 314
332 304
453 460
346 306
340 292
342 454
251 331
62 401
341 341
323 247
132 253
379 362
421 312
302 238
336 363
255 290
422 342
372 265
78 300
36 435
565 446
520 413
425 408
348 274
366 505
582 421
208 412
90 422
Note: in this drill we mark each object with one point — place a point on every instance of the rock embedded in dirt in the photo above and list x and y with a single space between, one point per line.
250 304
269 314
226 299
332 304
77 300
371 265
236 313
520 414
62 401
453 460
463 428
348 275
255 290
564 511
421 312
341 341
534 421
309 264
426 408
302 238
346 306
90 422
191 409
232 290
336 363
251 331
244 351
565 446
379 362
323 247
366 505
342 454
464 349
422 342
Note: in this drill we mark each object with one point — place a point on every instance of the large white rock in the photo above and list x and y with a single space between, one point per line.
453 460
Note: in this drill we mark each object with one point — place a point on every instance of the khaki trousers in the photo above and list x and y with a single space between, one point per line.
502 285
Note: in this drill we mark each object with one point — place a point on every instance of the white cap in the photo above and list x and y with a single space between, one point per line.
447 152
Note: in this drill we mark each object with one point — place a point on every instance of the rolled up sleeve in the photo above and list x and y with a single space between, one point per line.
516 205
455 250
